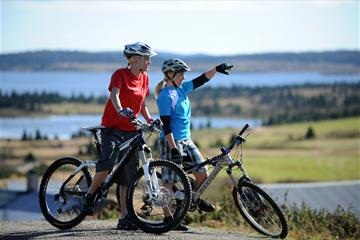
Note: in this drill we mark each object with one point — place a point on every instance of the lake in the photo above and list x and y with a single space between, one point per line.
96 83
64 126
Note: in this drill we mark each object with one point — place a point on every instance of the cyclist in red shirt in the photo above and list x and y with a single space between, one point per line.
128 89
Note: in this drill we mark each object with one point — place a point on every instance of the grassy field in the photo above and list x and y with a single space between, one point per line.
271 154
282 154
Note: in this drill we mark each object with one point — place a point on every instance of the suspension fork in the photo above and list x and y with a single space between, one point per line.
241 168
144 156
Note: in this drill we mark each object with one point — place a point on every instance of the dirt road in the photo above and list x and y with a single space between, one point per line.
89 230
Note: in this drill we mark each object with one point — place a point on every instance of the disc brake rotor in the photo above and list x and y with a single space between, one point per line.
163 198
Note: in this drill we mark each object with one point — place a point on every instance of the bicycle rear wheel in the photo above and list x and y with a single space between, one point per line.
61 194
260 210
171 199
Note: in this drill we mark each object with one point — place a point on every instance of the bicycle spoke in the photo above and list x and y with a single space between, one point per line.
170 199
67 207
259 211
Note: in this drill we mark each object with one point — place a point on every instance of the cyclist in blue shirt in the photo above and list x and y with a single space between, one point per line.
175 113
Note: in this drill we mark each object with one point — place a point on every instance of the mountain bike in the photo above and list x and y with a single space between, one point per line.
254 204
67 180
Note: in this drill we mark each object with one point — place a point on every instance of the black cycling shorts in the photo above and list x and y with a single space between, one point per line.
109 139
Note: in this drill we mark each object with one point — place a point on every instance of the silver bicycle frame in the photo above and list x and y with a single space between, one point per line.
221 163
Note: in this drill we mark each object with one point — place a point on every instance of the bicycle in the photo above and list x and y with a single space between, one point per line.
66 181
254 204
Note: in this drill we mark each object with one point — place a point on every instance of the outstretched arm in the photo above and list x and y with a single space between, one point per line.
205 77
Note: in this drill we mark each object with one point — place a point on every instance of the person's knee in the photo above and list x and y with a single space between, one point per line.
203 174
200 177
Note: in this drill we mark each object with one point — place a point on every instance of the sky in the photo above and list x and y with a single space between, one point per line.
185 27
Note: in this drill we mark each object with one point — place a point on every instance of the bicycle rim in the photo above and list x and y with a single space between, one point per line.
173 198
260 211
63 207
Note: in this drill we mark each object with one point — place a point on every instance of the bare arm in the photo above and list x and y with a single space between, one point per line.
114 96
209 74
170 140
145 112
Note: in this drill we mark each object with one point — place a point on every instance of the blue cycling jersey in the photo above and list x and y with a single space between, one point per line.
174 102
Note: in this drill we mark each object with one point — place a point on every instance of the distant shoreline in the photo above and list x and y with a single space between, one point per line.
327 62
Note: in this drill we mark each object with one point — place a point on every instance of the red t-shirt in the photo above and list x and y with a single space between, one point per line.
133 91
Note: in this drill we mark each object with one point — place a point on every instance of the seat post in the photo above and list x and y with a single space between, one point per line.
97 141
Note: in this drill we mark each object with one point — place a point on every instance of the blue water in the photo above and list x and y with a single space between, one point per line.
96 83
63 126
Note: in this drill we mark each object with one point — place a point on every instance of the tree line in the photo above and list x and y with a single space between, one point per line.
32 101
274 105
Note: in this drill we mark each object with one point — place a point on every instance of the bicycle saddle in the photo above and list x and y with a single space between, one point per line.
93 128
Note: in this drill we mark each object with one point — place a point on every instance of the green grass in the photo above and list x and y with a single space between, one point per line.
282 154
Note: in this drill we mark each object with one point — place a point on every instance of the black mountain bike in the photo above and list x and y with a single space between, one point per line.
254 204
67 180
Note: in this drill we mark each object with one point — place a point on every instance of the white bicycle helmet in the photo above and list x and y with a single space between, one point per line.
174 65
138 48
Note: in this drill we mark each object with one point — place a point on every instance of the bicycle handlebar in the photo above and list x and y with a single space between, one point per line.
238 140
154 126
244 129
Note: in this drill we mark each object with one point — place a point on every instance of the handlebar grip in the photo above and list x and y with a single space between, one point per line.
244 129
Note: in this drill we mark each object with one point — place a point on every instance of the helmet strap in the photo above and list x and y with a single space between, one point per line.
142 64
172 80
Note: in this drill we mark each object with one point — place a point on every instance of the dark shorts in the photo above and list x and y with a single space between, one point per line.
109 139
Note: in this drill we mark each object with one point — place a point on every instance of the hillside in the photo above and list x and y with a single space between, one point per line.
324 62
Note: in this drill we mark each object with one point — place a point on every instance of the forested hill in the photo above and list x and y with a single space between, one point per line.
324 62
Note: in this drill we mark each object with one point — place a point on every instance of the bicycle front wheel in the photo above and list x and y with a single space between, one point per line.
166 205
260 210
61 193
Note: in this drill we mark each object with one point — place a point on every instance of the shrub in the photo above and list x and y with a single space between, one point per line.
310 134
218 143
6 171
341 224
30 158
40 170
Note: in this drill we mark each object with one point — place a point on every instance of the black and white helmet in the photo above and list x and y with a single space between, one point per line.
174 65
138 48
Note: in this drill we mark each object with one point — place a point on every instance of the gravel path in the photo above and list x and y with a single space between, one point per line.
89 230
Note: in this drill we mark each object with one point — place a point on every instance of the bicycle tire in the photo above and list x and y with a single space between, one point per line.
45 197
155 224
251 204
